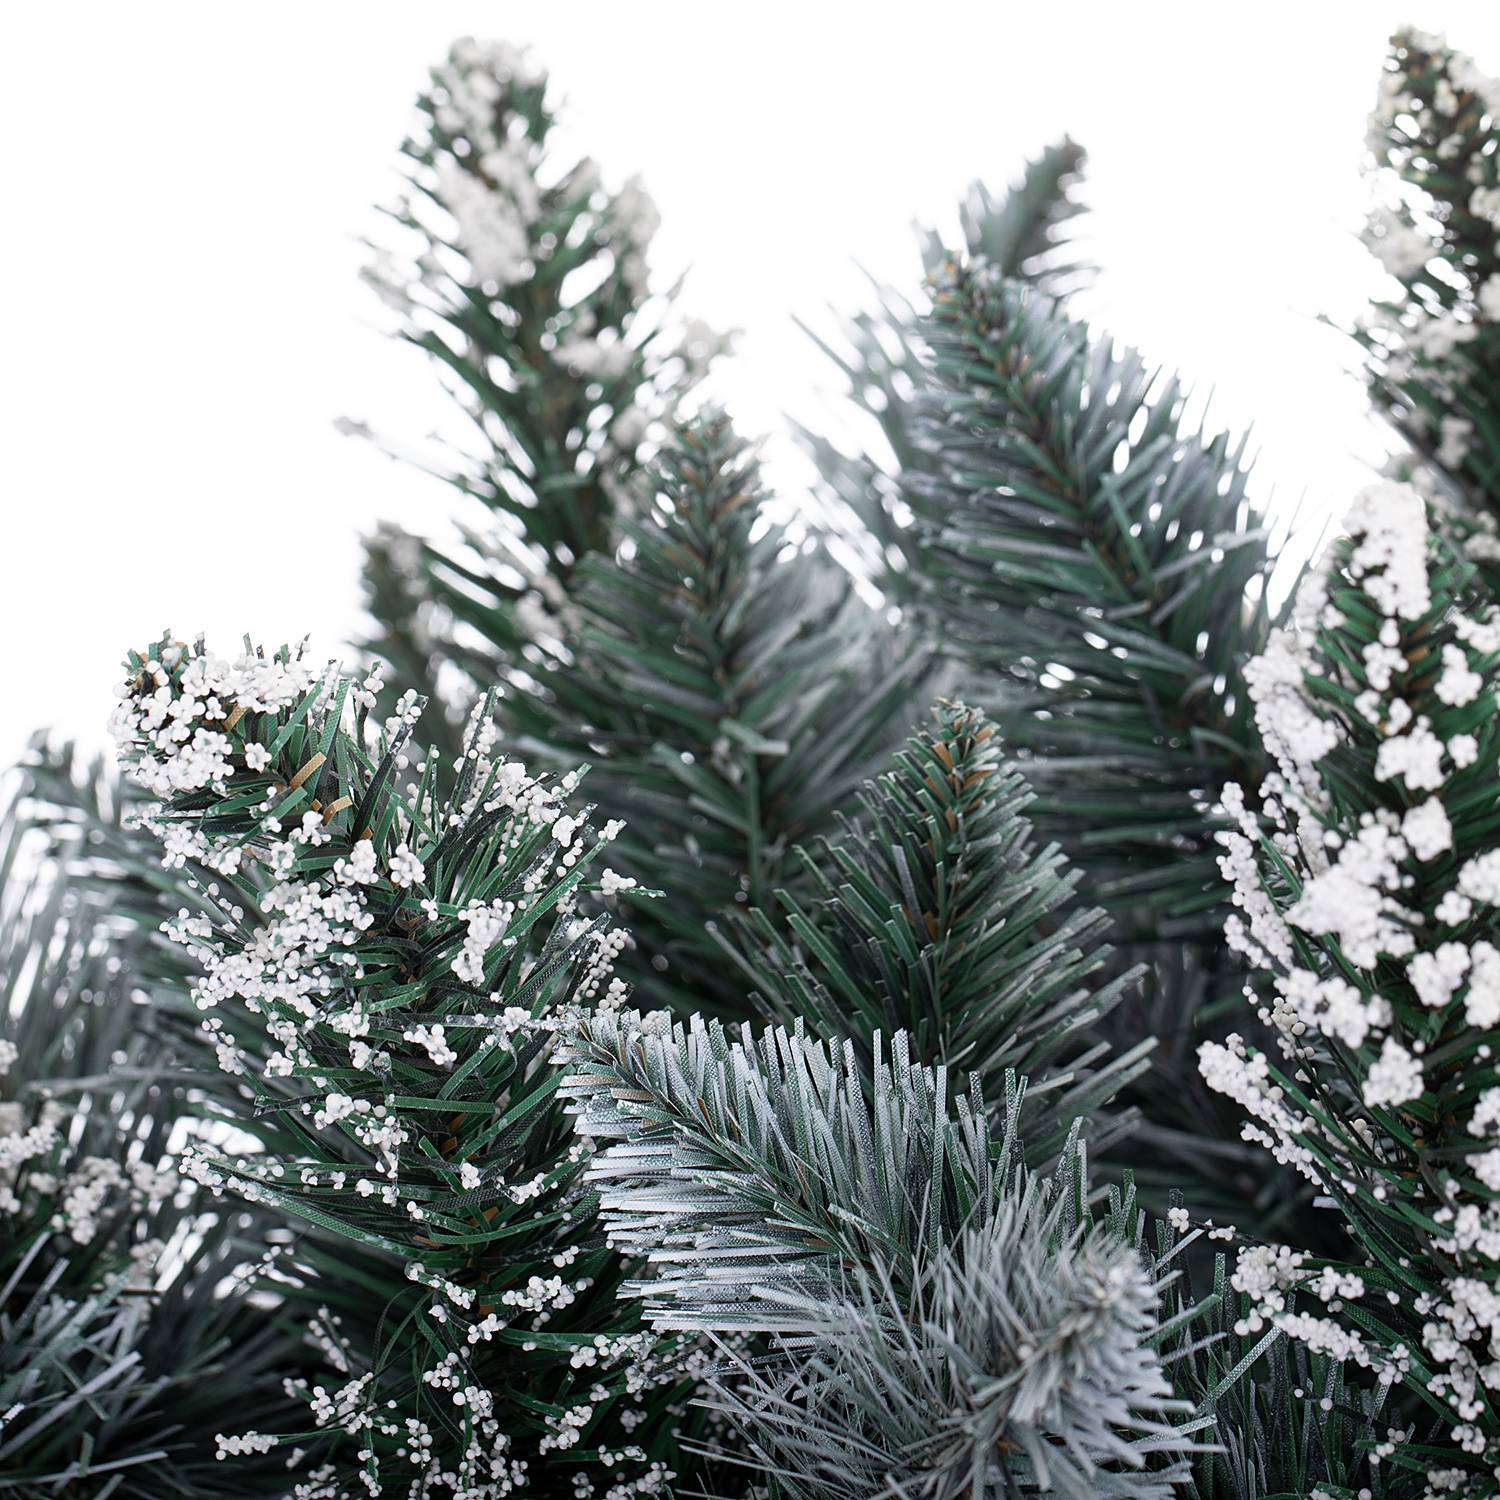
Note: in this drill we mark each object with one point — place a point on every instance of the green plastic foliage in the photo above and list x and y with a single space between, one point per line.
1028 234
386 960
1103 561
732 693
1432 344
526 282
128 1338
1367 892
942 1322
936 914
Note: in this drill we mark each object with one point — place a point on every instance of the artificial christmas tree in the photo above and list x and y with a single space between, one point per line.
890 1168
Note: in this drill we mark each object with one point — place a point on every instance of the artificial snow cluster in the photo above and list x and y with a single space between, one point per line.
124 1297
81 1192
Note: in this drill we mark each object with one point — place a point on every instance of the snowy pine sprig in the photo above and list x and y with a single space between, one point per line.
130 1338
392 946
526 280
1433 345
1366 885
941 1320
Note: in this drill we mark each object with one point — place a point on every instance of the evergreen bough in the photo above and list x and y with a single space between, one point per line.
129 1341
732 694
1367 884
1027 234
1432 346
1103 560
936 915
526 281
387 956
943 1322
1094 562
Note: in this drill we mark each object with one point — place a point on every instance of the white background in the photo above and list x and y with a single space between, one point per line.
183 187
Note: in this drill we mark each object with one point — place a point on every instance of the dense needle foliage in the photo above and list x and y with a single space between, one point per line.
979 1001
129 1340
526 280
733 694
386 956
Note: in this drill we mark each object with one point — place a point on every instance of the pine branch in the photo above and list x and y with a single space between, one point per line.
1025 234
943 1322
1368 905
1101 559
896 1254
733 694
1028 234
128 1339
936 915
84 820
526 283
402 948
1432 347
1286 1422
1105 562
